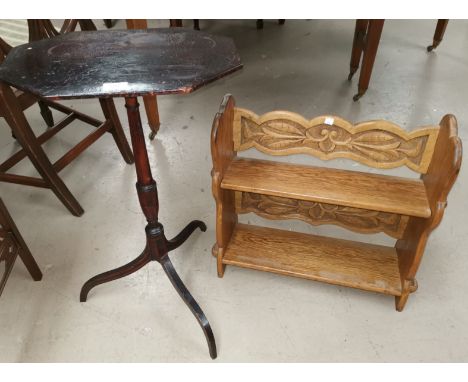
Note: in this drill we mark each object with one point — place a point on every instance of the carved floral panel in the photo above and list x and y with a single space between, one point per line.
378 144
355 219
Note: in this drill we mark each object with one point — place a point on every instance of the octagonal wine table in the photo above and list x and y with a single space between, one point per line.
128 63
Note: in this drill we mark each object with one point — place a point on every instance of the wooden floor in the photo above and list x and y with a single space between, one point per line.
341 262
346 188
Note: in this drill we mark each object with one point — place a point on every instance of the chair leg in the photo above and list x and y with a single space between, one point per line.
196 24
438 34
152 113
19 242
46 113
175 23
25 136
358 45
108 23
30 263
110 113
374 32
259 23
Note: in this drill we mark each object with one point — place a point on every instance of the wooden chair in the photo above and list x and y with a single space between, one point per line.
405 209
12 245
12 104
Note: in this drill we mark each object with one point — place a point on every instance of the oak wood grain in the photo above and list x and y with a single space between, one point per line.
438 181
334 261
407 209
222 153
326 185
354 219
379 144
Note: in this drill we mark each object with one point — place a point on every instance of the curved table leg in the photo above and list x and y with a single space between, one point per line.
157 246
190 302
114 274
178 240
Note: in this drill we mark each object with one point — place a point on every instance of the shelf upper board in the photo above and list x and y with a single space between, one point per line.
326 185
120 63
335 261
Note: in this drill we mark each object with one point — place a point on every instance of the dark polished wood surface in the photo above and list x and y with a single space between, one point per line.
111 63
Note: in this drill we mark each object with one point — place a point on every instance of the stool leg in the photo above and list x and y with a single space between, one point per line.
152 113
370 51
438 34
108 108
151 103
25 136
46 113
358 45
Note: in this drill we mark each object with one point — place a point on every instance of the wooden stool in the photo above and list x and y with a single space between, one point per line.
12 245
405 209
11 108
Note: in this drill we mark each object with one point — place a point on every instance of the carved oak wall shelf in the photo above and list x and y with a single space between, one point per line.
405 209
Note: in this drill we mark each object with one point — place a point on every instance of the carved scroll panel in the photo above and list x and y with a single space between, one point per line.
355 219
379 144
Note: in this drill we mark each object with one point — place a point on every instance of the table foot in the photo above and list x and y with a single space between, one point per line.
190 302
358 95
154 131
430 48
114 274
351 73
178 240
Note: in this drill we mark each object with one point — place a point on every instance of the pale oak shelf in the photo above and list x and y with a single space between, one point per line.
334 261
328 185
405 209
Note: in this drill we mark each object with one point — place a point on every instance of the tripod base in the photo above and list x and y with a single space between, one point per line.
157 249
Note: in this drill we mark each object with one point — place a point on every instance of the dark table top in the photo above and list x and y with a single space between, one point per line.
112 63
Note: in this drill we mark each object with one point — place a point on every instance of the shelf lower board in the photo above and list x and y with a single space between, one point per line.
335 261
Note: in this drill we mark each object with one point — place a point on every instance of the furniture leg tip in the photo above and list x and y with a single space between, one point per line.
78 213
203 227
214 250
430 48
83 295
152 135
357 96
